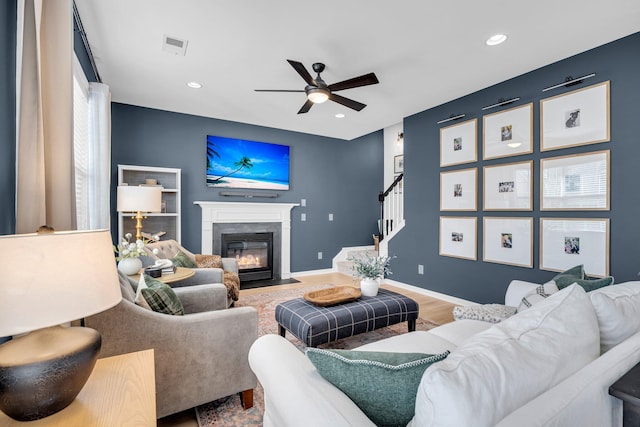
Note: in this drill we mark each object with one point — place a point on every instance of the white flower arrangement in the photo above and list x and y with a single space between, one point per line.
128 249
370 267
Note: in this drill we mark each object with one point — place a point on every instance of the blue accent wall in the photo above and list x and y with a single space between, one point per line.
8 116
333 175
484 282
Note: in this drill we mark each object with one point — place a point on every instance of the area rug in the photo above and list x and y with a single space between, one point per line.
228 412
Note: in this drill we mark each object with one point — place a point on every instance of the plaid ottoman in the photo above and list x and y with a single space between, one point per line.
314 325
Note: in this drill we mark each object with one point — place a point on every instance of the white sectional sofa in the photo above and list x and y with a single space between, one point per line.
542 367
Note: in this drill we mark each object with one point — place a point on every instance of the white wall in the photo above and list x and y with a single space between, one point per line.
391 149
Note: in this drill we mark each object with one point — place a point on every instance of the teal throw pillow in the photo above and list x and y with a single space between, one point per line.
161 298
382 384
588 284
182 260
577 272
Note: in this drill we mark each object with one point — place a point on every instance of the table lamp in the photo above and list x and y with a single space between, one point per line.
139 200
49 280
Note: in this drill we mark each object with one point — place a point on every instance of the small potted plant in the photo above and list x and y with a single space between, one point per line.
370 269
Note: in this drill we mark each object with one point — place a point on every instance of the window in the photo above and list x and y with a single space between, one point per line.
81 145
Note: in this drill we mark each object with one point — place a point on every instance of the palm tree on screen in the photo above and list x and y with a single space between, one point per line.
243 163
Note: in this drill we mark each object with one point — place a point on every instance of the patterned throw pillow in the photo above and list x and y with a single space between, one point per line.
139 299
493 313
537 295
383 385
182 260
161 298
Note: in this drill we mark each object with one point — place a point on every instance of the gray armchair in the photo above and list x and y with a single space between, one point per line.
199 357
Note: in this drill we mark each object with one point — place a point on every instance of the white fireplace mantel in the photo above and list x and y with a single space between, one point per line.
243 212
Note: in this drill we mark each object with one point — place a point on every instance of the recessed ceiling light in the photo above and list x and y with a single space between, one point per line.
194 85
340 115
496 39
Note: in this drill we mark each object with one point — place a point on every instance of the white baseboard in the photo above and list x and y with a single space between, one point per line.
434 294
312 272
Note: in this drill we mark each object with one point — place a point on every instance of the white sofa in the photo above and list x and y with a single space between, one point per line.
542 367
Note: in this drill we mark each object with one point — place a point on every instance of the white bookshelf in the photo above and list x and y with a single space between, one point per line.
169 219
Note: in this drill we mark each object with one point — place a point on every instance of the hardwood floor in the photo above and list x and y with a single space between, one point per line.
431 309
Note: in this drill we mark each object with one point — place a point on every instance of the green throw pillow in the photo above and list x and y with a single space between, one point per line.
182 260
576 272
383 385
588 284
161 298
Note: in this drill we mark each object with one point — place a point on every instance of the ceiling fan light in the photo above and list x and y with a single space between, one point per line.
496 39
317 95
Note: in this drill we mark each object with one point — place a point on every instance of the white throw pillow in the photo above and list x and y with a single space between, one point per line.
139 300
538 294
618 311
498 370
492 313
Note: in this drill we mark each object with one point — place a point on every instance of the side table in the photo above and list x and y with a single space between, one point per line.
180 274
627 389
120 392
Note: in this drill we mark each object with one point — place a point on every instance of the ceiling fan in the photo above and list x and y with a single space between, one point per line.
318 91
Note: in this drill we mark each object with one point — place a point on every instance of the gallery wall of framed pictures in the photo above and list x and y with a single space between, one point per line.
578 182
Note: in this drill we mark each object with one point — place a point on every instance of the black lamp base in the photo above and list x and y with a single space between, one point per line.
42 373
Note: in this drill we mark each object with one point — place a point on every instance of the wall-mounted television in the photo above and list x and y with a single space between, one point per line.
238 163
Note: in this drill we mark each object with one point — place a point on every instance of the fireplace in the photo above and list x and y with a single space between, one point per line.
254 253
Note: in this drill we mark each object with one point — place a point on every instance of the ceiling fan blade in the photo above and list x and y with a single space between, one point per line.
306 107
278 90
302 71
365 80
354 105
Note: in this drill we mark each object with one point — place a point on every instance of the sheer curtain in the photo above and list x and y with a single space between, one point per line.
44 153
99 155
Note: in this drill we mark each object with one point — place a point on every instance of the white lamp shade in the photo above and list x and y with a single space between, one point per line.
50 279
139 199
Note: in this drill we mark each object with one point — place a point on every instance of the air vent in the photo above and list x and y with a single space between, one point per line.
174 45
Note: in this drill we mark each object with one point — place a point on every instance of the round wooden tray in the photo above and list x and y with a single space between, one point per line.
332 296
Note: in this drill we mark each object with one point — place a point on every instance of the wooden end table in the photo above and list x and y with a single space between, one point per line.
627 389
180 274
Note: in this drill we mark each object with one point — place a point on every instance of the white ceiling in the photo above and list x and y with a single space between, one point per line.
423 52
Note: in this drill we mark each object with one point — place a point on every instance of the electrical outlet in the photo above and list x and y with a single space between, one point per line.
303 217
303 202
330 217
319 255
420 269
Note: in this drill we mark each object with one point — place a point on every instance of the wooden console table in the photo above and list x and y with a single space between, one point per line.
120 392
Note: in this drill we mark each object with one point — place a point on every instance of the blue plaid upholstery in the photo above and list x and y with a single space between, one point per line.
315 325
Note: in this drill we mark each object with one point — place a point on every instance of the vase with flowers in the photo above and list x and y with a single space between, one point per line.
370 269
128 255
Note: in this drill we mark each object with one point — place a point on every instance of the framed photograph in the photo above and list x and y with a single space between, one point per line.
508 132
576 182
458 190
508 241
508 187
458 237
576 118
567 242
459 143
398 164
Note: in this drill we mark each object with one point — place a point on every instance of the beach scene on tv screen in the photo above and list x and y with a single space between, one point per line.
238 163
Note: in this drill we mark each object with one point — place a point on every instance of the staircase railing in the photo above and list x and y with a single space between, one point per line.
391 207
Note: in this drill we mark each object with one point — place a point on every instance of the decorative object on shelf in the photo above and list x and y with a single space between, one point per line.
566 242
40 291
508 241
575 182
459 144
458 237
508 187
458 190
128 255
508 133
139 200
576 118
398 164
370 269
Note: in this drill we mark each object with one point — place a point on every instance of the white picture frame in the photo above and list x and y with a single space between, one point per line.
575 118
576 182
459 190
508 187
458 237
459 143
559 238
508 133
508 241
